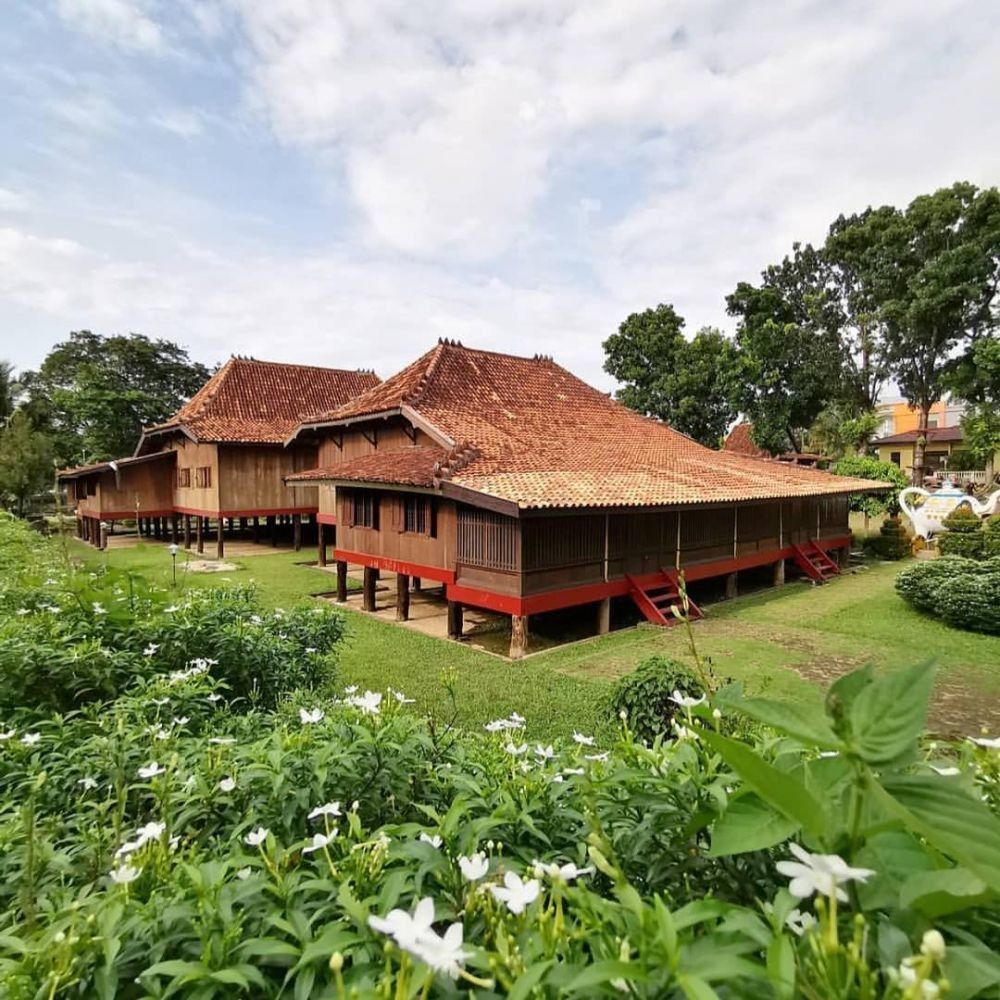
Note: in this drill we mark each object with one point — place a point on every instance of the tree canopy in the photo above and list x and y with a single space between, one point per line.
684 383
94 394
26 462
975 378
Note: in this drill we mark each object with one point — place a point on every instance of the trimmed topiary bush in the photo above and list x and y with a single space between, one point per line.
991 537
645 696
918 585
963 535
965 593
892 542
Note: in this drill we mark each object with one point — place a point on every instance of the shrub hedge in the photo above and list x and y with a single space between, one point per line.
963 534
965 593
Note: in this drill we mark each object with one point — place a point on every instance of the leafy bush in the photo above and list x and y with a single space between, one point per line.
645 697
892 542
963 534
991 539
963 592
864 467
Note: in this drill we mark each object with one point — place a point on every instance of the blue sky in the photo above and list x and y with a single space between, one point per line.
341 182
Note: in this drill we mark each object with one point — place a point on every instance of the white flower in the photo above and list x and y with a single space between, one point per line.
558 779
822 873
222 741
434 841
182 721
256 837
243 873
151 649
310 649
584 741
685 701
514 717
151 831
227 784
716 714
213 697
319 841
351 689
24 611
573 770
406 930
443 954
516 751
160 701
329 809
908 978
124 874
7 735
87 783
561 873
945 772
402 699
497 725
99 608
546 753
171 609
518 895
161 734
932 944
309 716
30 739
597 756
127 848
474 868
989 744
683 733
151 770
799 922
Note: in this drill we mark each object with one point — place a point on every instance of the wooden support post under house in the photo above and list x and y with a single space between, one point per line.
341 581
102 535
220 544
604 616
187 531
297 532
518 636
779 573
173 528
256 530
368 596
199 534
321 545
455 622
732 585
402 597
415 584
156 527
272 528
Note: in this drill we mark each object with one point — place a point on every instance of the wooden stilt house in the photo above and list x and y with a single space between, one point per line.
221 458
522 489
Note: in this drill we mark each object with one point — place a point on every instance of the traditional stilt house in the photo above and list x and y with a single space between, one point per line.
221 458
522 489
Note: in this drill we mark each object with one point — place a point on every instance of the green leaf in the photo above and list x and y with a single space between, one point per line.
749 824
845 690
781 967
786 794
948 818
806 723
604 972
970 970
887 721
938 893
523 985
696 989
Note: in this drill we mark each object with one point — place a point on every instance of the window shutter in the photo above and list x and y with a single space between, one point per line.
347 499
375 511
398 508
432 527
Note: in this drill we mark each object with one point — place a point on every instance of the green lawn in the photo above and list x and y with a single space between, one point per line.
785 642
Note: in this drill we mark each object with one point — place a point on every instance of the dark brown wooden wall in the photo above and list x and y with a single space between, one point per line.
251 477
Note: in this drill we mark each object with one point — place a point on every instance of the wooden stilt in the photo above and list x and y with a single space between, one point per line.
173 528
321 545
604 616
341 582
402 597
256 530
220 536
368 597
518 636
272 527
416 584
779 573
102 530
187 531
156 528
297 532
732 585
199 534
455 620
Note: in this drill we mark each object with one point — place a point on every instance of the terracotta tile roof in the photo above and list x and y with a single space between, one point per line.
262 402
527 431
85 470
739 442
406 467
933 434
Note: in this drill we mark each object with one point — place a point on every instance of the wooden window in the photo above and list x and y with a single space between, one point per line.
894 457
183 477
80 489
418 515
364 509
203 477
488 540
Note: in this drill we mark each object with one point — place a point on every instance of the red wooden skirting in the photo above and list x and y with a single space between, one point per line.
124 515
260 512
446 576
326 518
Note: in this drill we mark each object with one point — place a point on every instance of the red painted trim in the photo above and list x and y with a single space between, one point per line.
395 565
568 597
124 515
326 518
258 512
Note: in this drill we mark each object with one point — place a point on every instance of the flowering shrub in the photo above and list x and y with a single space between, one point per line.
963 592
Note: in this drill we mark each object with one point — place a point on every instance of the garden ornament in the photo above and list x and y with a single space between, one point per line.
927 516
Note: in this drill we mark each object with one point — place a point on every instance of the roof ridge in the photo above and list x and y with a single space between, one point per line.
296 364
204 396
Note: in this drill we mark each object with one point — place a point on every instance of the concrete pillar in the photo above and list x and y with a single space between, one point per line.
732 585
297 532
368 595
402 597
187 531
341 581
604 616
455 623
321 544
779 573
220 535
102 529
518 636
199 534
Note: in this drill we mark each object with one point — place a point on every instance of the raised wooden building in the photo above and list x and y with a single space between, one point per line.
522 490
221 458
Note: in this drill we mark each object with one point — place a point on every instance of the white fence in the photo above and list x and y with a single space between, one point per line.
977 476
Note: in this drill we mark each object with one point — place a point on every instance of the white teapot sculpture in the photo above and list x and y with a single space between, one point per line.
926 519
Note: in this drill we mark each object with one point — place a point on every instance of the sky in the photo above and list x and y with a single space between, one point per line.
342 182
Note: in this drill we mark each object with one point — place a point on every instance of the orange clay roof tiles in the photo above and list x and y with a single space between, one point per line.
533 434
262 402
406 467
739 442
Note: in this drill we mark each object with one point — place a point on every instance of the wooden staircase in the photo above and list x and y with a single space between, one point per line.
656 600
814 562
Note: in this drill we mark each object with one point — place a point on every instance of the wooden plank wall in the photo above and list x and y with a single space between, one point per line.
251 477
193 456
148 485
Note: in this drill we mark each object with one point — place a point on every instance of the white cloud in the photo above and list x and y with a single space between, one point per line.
14 201
185 122
125 23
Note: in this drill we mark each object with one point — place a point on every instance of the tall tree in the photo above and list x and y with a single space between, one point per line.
791 359
26 464
8 391
663 375
937 290
94 394
975 378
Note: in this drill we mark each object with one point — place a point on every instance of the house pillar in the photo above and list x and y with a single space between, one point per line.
156 528
604 616
455 620
220 544
368 596
732 585
173 528
102 530
402 597
779 573
255 530
341 581
297 531
187 531
272 528
518 636
199 534
416 584
321 544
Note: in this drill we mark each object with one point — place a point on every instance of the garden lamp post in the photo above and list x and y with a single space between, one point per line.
173 550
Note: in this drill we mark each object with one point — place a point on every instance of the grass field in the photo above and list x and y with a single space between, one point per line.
784 642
